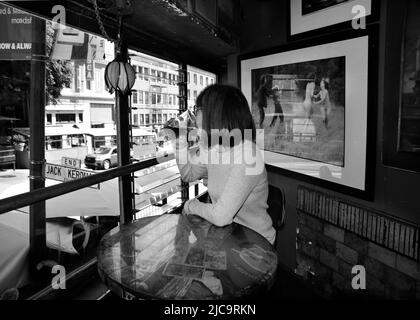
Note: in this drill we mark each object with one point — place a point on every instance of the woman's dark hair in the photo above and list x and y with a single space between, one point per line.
225 109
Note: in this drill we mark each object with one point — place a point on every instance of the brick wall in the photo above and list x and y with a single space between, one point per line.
326 254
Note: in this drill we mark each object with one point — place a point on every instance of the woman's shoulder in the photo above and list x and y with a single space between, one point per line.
249 155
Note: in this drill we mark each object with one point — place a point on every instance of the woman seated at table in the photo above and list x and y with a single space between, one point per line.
230 161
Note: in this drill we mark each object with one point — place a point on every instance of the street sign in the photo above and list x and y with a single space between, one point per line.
16 34
62 173
71 162
89 70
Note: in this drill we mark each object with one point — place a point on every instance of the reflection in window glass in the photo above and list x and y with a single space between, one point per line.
80 126
409 122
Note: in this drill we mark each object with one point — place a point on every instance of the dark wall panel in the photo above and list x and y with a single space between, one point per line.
396 191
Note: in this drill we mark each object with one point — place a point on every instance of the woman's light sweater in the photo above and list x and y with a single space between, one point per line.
237 185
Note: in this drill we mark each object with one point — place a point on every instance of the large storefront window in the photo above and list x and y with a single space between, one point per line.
80 140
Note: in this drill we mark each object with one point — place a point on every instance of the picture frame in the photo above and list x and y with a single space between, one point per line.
400 60
350 171
309 18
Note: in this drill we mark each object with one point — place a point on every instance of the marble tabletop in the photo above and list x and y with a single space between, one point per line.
176 256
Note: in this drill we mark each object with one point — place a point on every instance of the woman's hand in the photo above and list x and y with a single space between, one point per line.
187 206
177 138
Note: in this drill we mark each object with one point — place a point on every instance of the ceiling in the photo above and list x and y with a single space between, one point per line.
169 29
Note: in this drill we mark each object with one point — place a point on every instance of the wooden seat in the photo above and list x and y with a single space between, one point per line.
276 208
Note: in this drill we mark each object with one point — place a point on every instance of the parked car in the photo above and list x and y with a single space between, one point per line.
103 157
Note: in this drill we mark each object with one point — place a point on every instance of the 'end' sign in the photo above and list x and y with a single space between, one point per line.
71 162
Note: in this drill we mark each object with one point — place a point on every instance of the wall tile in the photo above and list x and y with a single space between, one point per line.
310 249
355 242
328 259
347 254
383 255
418 290
345 268
408 267
399 280
314 223
326 243
374 286
333 232
339 281
307 233
374 267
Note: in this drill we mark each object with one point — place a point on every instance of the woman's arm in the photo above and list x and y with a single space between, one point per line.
237 189
189 165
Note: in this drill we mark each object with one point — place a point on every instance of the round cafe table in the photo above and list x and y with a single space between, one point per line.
175 256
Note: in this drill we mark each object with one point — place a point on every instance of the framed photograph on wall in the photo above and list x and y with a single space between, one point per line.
307 17
401 134
314 107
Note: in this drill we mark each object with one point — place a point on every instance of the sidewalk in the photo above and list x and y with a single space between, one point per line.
90 201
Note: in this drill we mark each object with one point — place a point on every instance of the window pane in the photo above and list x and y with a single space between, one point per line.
141 100
135 97
206 78
65 117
